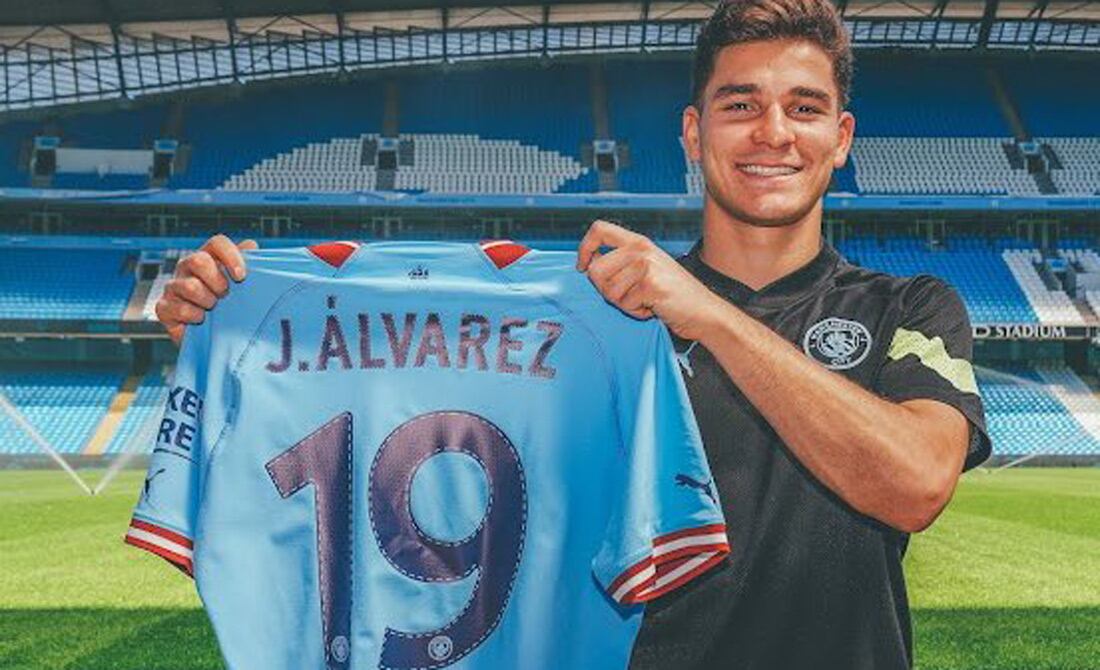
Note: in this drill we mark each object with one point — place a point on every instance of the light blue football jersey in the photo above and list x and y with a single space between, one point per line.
427 455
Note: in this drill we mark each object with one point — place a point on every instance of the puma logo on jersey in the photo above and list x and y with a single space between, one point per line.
684 480
684 359
148 483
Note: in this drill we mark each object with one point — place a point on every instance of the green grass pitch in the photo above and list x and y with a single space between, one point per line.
1009 577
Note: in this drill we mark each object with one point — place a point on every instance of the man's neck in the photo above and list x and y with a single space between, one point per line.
757 256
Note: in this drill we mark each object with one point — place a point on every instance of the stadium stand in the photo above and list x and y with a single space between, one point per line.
1027 411
977 270
470 164
1078 172
142 415
226 137
1088 272
548 108
64 283
1031 409
439 163
912 97
13 136
644 106
1054 99
1063 122
937 165
1051 306
64 405
943 133
999 281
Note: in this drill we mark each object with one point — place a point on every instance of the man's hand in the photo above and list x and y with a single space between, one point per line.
199 282
639 278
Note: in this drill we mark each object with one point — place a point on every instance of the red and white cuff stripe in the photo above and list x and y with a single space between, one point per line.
169 545
677 558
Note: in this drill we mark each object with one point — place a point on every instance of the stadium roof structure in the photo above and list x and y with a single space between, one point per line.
67 51
121 12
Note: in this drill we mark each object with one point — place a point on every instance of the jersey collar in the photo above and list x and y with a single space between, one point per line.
802 282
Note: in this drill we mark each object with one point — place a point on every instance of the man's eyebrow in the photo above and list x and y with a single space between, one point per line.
734 89
800 91
807 92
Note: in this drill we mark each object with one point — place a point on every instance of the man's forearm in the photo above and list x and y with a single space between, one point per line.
883 458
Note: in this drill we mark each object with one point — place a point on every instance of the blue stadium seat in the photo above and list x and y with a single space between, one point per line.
64 283
976 270
64 405
142 416
1023 416
645 101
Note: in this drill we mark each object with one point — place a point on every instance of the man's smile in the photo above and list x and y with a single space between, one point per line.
763 170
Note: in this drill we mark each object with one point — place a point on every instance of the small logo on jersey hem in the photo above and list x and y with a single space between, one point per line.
692 483
838 344
418 272
149 483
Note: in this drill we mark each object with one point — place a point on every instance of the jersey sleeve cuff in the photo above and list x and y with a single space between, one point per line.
168 544
675 559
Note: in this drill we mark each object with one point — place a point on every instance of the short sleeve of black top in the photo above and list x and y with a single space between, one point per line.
929 357
810 582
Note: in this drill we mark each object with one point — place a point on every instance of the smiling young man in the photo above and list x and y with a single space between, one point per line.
837 405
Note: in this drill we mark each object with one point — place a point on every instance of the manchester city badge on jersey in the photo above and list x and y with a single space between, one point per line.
838 344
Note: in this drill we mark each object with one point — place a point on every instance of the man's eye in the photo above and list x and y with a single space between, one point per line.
807 109
737 107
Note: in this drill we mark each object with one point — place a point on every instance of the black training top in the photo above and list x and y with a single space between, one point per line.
810 582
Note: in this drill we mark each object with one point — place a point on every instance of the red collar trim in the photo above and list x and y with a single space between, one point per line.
503 252
334 253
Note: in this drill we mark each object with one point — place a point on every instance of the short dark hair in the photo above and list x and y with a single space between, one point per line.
741 21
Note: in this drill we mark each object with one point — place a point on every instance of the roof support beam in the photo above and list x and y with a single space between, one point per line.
231 27
545 28
341 26
987 22
112 19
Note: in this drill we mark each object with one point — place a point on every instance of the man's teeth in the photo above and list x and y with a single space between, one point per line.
768 170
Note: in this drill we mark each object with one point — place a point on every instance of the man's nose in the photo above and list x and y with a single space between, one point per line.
773 128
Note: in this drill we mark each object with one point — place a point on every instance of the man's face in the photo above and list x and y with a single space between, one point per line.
770 132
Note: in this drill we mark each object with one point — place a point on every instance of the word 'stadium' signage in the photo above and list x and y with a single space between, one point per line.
1031 331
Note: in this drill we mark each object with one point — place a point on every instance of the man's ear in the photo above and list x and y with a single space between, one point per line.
846 130
689 128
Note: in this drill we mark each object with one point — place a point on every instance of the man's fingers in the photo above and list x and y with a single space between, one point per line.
222 250
175 332
174 315
194 291
608 265
600 233
633 302
202 266
623 281
199 281
173 312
